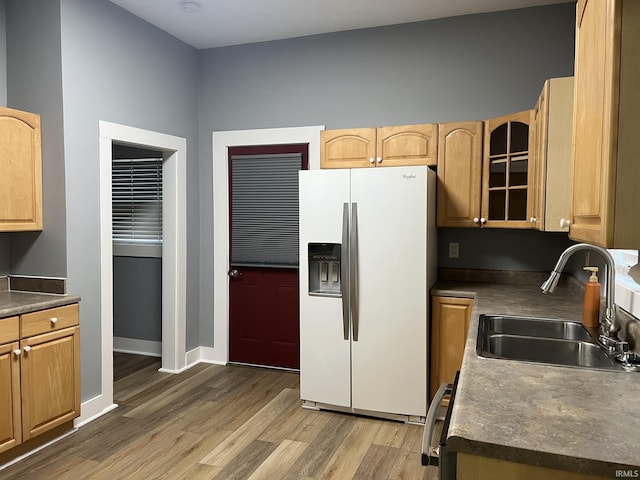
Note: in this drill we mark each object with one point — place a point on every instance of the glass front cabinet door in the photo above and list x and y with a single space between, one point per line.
508 171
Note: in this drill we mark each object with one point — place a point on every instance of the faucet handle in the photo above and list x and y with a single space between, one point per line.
622 351
609 343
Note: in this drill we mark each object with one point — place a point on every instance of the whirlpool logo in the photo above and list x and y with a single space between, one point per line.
408 177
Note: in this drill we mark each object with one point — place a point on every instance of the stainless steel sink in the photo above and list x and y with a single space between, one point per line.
535 327
540 340
570 353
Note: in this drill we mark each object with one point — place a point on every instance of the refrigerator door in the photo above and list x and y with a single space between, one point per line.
325 354
389 357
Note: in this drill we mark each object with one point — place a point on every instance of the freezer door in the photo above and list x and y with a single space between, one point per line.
325 355
389 357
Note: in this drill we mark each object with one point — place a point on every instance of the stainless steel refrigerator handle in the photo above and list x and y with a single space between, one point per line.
353 270
428 457
344 272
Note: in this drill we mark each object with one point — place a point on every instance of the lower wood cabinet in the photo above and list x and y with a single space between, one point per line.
39 373
450 318
10 423
474 467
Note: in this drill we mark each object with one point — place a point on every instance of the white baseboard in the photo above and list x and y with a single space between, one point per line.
202 355
37 449
138 347
92 409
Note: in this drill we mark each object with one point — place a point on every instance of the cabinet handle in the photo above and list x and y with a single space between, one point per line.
379 159
483 220
476 220
371 161
27 349
533 219
54 320
564 223
17 352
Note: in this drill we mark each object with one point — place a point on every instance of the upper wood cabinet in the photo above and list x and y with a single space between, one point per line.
379 147
605 166
459 173
551 194
507 171
20 171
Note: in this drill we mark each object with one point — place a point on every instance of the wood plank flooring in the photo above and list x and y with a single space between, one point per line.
224 423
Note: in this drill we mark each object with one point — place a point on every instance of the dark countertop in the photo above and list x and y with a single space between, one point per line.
565 418
16 302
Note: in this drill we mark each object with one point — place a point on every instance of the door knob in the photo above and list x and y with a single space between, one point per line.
234 273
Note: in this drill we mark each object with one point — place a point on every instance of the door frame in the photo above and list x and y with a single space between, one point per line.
174 255
221 141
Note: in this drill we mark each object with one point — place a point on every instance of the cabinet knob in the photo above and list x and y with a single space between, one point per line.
379 159
371 160
533 219
54 320
476 220
483 221
27 349
17 352
564 223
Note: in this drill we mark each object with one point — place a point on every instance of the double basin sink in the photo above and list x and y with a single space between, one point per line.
540 340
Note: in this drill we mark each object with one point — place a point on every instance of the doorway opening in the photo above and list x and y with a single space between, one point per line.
174 252
222 141
137 249
264 312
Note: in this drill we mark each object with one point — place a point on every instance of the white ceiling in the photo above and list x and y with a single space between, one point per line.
218 23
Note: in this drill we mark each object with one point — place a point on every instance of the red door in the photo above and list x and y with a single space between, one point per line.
263 276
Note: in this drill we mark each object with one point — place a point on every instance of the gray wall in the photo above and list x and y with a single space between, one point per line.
462 68
119 69
34 84
501 249
137 298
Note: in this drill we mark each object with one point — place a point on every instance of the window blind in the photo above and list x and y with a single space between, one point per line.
137 200
264 213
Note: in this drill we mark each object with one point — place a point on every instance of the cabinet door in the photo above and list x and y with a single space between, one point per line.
10 427
459 173
555 154
605 168
350 148
50 371
591 168
508 170
538 179
407 145
449 326
20 171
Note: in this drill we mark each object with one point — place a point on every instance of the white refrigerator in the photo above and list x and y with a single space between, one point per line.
367 262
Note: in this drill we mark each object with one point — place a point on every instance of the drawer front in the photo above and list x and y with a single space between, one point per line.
9 329
49 320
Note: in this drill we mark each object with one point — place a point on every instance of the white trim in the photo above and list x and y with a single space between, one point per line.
221 142
174 259
138 347
202 355
36 450
92 409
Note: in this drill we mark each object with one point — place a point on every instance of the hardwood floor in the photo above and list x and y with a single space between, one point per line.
227 423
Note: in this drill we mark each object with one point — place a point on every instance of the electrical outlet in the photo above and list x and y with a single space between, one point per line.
454 250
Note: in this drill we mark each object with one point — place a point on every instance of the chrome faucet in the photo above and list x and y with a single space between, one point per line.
608 322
